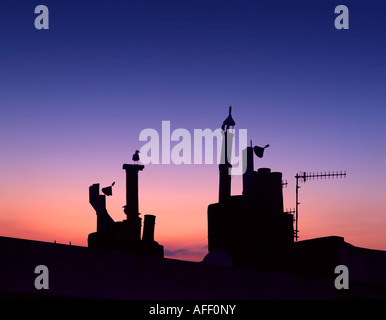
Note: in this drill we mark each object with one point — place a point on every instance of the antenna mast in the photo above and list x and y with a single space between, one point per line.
310 176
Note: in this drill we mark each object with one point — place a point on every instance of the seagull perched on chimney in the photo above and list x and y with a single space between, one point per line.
136 157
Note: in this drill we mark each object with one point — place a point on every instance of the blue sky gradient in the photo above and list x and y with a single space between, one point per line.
76 97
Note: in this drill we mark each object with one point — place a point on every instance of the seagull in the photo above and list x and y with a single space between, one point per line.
136 157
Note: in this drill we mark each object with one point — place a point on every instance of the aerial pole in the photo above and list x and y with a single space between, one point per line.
308 176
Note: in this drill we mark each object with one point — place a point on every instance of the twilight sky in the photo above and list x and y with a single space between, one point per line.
74 99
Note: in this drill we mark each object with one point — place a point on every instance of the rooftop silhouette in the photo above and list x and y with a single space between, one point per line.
250 242
124 235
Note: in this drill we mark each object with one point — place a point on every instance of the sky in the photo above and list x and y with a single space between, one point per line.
74 99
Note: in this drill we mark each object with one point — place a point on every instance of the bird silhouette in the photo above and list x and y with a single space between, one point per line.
136 157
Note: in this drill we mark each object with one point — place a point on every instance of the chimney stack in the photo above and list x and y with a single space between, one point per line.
225 177
248 171
148 228
131 208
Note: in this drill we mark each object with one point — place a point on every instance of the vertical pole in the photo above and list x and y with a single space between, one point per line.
297 207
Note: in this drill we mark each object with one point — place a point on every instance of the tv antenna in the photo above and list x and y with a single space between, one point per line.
303 177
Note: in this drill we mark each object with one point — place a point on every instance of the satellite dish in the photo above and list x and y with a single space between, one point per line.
108 191
259 151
